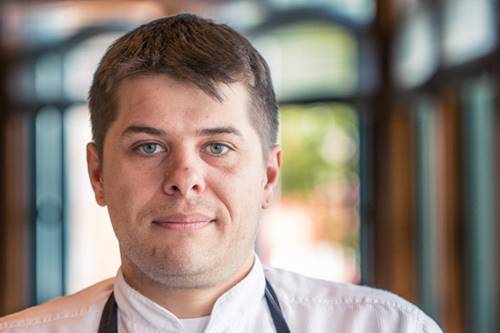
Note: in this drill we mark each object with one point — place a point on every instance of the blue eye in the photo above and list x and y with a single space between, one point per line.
150 148
217 149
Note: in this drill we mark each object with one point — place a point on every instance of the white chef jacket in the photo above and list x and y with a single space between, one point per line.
309 305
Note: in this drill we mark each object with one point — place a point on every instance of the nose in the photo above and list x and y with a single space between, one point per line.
184 177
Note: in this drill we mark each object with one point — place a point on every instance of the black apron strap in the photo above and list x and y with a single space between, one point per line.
109 318
275 309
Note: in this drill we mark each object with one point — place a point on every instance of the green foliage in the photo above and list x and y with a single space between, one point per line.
319 146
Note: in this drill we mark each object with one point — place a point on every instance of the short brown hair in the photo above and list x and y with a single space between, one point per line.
188 48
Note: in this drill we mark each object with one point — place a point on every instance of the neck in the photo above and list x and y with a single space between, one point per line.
182 302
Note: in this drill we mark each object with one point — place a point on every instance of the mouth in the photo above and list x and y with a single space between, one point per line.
183 222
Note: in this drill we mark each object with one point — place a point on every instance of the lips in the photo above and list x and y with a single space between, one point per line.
183 222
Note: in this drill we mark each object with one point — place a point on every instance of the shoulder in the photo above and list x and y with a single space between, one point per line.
300 288
74 310
351 302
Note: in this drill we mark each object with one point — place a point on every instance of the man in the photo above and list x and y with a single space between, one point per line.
185 158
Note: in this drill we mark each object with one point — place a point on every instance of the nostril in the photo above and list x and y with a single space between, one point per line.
182 182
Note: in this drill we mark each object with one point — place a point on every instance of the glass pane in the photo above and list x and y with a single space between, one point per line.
361 11
49 206
48 77
417 52
428 223
469 29
80 64
42 23
314 229
310 60
92 249
241 14
480 226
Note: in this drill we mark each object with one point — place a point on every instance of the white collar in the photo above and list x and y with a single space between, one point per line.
229 309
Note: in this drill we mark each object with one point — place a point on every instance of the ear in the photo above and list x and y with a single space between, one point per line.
95 173
273 166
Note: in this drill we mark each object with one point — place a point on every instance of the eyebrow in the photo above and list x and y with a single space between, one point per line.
219 130
134 129
143 129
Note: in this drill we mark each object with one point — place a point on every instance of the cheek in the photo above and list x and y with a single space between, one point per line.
127 186
241 191
119 200
125 206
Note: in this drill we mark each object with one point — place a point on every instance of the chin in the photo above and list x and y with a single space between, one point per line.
184 276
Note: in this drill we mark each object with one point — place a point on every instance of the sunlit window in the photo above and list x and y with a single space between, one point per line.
417 50
314 228
310 60
469 29
81 62
92 249
357 10
241 14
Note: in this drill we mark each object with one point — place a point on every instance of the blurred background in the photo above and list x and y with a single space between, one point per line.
389 124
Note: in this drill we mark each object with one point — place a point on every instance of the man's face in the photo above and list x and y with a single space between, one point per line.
184 180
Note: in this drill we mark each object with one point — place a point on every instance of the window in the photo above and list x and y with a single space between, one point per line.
314 229
469 29
310 60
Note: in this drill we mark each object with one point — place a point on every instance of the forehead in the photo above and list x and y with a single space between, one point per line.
161 99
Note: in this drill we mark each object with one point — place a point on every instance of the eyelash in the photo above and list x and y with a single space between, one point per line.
225 146
138 148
